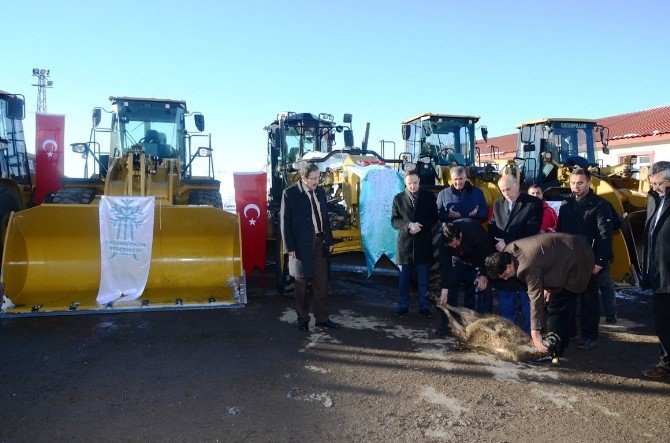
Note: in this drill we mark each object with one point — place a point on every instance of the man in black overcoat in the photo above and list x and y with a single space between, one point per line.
308 240
656 261
414 215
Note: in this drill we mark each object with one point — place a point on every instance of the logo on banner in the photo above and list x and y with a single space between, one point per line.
50 147
252 206
126 218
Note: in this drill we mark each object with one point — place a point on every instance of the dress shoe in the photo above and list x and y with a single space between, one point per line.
657 372
328 324
425 312
611 320
587 344
401 312
303 326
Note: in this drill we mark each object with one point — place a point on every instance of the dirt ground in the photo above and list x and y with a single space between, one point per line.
249 374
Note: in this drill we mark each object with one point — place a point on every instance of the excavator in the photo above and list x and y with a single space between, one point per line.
550 148
52 257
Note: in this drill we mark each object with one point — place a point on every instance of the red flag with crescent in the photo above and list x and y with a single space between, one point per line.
251 204
49 162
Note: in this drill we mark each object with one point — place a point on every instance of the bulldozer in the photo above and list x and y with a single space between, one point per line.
436 142
294 138
52 257
550 148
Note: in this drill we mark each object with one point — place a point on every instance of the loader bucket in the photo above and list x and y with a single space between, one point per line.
52 260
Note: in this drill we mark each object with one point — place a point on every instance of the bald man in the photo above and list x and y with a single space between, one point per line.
515 216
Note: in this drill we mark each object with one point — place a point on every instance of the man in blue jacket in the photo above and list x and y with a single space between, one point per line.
461 199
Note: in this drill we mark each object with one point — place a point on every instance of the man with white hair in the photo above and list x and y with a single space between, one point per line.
656 261
515 216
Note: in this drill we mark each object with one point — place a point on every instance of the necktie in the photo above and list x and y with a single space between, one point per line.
316 212
658 212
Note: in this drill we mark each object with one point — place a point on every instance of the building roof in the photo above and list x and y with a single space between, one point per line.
638 124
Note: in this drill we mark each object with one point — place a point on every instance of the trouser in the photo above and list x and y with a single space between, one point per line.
590 310
606 289
662 320
507 306
315 288
560 309
422 271
465 273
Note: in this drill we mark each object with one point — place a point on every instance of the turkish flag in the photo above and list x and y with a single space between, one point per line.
251 203
49 152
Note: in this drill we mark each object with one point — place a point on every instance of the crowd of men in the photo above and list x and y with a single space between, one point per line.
541 264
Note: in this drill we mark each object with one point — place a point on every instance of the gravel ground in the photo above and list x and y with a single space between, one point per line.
249 374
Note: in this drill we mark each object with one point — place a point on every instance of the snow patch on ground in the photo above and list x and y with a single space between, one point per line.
321 397
431 395
509 371
441 434
317 369
559 399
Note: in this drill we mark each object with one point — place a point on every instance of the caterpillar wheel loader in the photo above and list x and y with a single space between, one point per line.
550 148
294 138
52 252
434 143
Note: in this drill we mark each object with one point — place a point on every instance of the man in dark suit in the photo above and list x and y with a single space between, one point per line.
556 268
656 261
463 248
414 215
308 240
589 215
515 216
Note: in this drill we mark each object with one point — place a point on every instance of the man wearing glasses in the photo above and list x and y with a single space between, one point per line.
656 261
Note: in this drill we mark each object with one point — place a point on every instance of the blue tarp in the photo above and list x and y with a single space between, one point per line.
379 184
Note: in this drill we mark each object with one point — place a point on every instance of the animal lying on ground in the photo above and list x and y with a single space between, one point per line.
490 334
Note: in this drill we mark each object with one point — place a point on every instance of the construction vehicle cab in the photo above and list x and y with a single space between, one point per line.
52 257
16 164
436 142
548 150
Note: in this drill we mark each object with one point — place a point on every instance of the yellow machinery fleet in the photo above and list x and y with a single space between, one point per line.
549 148
52 259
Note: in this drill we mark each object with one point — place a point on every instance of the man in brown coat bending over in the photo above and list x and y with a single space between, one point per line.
556 268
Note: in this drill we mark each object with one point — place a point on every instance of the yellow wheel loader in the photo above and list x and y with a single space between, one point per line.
52 259
550 148
294 138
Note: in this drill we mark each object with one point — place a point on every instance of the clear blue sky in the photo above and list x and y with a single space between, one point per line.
242 62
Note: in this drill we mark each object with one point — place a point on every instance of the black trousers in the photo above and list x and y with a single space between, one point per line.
662 320
590 310
313 289
560 310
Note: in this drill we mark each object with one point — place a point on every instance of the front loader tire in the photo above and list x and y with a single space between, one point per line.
208 197
73 195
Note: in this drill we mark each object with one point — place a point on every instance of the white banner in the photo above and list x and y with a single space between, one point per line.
126 236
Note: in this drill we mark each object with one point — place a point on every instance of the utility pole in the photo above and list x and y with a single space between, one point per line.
42 85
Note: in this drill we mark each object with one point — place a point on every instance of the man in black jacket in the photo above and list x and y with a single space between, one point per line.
308 240
589 215
414 215
463 248
656 261
515 216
